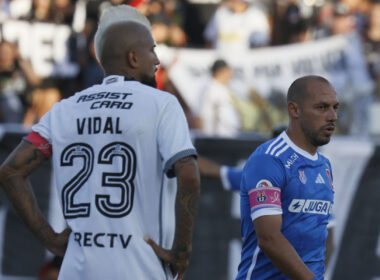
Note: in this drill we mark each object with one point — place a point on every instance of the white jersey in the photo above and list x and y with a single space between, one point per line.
112 144
230 31
217 111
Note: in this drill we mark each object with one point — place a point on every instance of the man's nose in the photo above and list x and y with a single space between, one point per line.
332 115
157 61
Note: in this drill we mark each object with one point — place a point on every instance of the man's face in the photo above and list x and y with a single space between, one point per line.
148 60
318 114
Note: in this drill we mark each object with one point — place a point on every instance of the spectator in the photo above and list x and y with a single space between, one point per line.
359 9
324 20
217 112
90 73
63 11
63 76
343 21
166 23
16 77
295 27
41 11
42 99
177 36
160 32
237 26
223 113
372 42
356 84
372 52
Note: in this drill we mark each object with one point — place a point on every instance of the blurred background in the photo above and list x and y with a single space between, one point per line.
230 64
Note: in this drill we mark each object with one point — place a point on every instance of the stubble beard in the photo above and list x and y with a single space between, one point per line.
149 81
313 136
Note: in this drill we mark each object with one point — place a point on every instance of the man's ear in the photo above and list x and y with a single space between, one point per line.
132 59
293 109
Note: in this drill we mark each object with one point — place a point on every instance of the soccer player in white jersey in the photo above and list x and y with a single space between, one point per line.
111 146
287 191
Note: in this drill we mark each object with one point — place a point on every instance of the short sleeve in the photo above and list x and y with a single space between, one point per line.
263 179
173 136
43 127
231 178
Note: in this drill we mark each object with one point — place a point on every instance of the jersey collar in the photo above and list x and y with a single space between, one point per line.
113 79
298 149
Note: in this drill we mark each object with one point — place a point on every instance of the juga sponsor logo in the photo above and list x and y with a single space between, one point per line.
312 206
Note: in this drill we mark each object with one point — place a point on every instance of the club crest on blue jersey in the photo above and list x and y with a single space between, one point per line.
302 176
261 197
264 184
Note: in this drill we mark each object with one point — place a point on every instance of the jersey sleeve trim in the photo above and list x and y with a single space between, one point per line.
224 178
169 166
40 143
265 212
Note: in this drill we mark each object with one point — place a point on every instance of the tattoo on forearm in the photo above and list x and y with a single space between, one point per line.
186 210
14 181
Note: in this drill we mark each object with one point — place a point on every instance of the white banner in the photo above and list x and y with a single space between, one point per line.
268 70
44 44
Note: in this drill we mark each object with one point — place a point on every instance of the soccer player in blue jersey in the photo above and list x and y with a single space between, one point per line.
287 191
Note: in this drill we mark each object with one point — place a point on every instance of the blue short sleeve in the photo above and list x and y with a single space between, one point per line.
262 180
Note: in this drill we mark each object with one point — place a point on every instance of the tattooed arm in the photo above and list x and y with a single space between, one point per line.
14 180
186 208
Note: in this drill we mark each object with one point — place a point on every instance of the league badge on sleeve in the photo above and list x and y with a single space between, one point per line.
264 184
302 176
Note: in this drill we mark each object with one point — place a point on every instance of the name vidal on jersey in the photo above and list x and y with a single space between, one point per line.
98 125
101 239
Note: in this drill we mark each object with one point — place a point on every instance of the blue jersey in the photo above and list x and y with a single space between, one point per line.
280 178
231 178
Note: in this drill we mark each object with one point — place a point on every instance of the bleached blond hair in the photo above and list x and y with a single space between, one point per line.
115 15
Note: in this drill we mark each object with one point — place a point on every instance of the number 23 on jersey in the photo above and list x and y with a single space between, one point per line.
122 179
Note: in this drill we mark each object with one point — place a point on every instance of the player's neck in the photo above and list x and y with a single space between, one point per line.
300 140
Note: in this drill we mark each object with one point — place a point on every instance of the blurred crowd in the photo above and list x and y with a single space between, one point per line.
230 25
